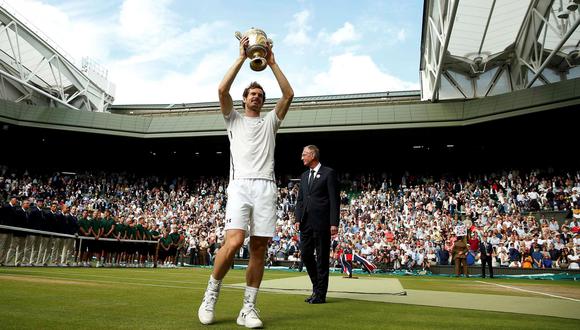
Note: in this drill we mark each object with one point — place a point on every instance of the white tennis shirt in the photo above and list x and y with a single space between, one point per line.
252 144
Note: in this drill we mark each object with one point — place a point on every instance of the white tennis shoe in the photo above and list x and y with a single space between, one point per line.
206 310
249 318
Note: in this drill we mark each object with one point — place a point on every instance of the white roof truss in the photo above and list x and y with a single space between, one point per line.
476 48
36 71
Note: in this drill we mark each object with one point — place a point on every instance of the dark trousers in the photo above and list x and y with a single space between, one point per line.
317 266
486 260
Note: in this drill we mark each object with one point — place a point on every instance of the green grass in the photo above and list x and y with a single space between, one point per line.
40 298
472 285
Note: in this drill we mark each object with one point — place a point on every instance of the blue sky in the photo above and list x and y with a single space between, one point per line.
176 51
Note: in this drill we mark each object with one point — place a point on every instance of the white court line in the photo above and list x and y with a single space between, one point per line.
65 275
26 272
104 282
38 274
530 291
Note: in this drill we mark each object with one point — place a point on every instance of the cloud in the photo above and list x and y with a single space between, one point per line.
298 30
178 47
197 85
401 35
345 34
390 32
77 38
171 86
349 73
145 23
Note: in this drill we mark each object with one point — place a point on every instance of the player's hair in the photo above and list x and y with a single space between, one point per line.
253 85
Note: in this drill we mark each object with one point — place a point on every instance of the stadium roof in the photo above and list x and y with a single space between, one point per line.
297 102
320 117
478 48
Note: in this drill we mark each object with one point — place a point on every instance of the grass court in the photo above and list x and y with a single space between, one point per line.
67 298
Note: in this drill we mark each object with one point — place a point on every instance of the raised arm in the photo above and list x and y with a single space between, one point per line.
226 102
283 104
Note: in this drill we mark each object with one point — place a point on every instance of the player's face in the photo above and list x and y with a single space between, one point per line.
255 99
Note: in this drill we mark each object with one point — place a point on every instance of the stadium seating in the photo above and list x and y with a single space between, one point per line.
409 224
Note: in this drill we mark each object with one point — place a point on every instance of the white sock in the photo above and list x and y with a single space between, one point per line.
250 297
213 284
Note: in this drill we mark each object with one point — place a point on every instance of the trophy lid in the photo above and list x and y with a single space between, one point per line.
255 30
252 30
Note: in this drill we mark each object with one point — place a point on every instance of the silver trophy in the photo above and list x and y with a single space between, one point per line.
257 49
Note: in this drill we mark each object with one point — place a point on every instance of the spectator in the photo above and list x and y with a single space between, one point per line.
527 261
573 260
537 257
563 260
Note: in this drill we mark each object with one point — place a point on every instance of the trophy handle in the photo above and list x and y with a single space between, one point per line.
238 35
270 42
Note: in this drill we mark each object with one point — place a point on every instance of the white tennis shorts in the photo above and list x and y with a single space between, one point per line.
252 206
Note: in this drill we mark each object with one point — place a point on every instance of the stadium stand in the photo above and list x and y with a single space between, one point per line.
402 223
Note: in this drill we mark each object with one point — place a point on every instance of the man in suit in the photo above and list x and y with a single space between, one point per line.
317 216
51 218
37 217
18 244
486 252
69 225
7 218
33 240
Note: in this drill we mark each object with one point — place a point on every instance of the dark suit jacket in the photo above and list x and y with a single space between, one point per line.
72 224
61 223
51 221
320 204
20 220
36 218
484 251
7 215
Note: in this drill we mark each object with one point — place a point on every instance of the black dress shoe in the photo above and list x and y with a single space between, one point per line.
317 300
310 298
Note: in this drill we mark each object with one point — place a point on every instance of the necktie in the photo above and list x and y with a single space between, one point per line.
310 179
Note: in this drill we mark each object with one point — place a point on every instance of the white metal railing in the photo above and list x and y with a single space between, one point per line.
50 233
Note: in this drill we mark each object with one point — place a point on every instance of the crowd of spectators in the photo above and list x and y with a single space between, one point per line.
406 223
414 224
